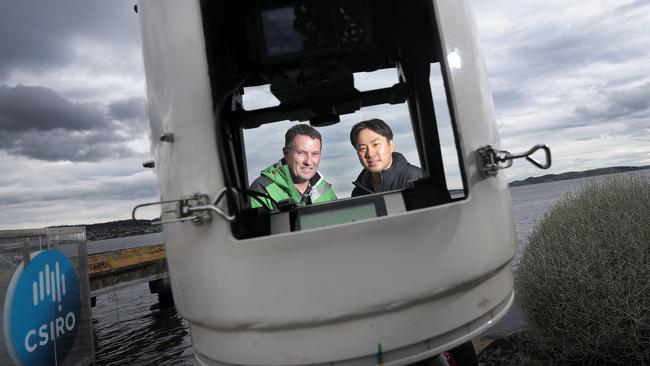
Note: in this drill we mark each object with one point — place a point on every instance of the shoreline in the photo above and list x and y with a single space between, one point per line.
548 178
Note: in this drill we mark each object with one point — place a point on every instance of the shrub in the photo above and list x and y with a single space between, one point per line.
584 280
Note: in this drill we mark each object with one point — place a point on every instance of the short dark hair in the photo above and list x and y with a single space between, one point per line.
375 125
300 129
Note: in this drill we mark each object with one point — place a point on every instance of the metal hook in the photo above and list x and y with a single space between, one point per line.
194 208
489 159
527 155
149 204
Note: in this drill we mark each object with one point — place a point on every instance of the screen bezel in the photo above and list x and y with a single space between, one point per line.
376 199
265 58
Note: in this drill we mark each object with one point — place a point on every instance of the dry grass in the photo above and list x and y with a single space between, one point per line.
584 280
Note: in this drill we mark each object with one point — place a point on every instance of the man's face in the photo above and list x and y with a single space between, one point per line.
303 158
374 150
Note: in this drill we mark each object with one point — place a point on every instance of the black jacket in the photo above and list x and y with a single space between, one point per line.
395 177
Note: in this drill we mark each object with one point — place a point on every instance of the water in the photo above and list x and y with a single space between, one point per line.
131 329
529 203
99 246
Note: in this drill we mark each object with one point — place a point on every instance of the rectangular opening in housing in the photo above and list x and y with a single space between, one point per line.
374 62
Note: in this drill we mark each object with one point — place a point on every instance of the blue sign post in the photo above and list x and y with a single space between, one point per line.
42 310
46 306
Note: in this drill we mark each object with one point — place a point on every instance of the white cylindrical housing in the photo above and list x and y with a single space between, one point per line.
416 283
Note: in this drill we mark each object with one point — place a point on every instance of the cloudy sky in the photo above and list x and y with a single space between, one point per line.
73 129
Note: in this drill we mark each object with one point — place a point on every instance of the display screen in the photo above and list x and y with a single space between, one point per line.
299 28
337 216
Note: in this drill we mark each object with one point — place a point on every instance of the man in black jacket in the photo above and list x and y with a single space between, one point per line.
384 168
387 170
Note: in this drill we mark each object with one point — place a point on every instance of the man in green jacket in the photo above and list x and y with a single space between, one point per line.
296 175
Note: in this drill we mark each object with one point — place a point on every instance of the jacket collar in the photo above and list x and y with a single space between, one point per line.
364 180
281 175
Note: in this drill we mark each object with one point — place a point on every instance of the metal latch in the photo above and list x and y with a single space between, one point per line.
195 208
489 159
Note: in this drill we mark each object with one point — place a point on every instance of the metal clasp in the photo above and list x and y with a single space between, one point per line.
195 208
206 209
489 159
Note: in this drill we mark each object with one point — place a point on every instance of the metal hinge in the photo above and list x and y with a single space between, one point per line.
489 159
195 208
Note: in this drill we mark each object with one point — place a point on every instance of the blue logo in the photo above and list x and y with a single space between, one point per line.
42 309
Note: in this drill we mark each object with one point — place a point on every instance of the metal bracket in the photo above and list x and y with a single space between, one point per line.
489 159
167 137
195 208
206 209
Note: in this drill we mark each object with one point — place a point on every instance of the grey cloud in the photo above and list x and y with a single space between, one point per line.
561 50
37 123
625 8
24 108
619 103
560 124
599 113
130 114
114 188
40 35
124 188
638 128
60 145
508 98
543 48
131 108
632 100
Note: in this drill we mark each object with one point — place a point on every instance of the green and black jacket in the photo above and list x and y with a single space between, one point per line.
276 182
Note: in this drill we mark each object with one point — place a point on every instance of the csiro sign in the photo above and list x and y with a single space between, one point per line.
41 310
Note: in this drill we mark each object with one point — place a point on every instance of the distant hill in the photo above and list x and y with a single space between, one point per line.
573 175
120 228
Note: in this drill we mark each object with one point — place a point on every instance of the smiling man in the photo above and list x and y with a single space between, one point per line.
296 175
384 168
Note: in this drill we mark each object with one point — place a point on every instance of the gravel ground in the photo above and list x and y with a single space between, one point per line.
514 349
